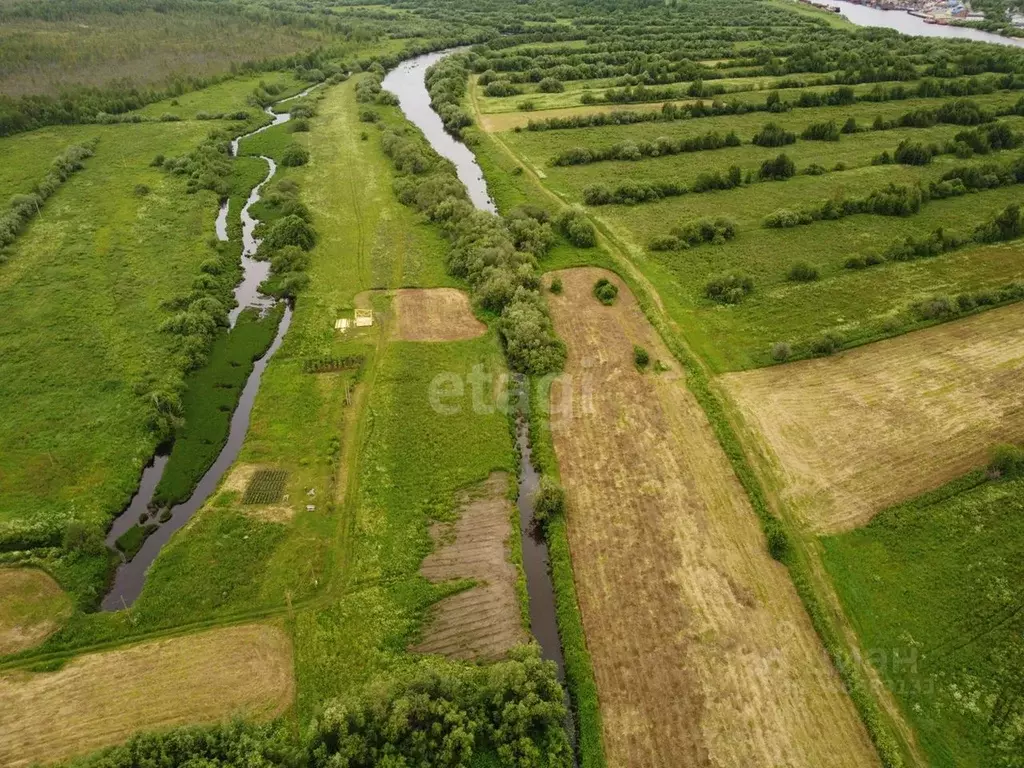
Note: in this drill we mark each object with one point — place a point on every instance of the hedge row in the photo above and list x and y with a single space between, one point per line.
21 208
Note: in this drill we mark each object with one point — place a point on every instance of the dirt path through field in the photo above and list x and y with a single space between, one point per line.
100 699
702 652
880 424
483 622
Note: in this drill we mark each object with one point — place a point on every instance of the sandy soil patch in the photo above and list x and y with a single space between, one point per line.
32 606
869 428
100 699
435 314
702 652
483 622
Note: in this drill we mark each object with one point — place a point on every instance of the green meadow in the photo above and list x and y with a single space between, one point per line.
933 589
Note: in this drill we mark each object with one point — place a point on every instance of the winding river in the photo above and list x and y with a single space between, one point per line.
131 575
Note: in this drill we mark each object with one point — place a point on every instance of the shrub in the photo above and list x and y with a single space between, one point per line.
141 190
802 272
827 344
606 291
299 126
641 358
908 153
289 230
827 131
551 85
664 243
577 227
778 169
730 288
781 351
778 540
772 135
556 286
705 230
784 218
295 155
1007 461
501 88
549 501
83 539
367 115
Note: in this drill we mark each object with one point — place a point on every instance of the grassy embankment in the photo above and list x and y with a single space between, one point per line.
931 587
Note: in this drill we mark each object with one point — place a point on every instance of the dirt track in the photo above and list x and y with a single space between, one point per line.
869 428
435 314
483 622
702 652
100 699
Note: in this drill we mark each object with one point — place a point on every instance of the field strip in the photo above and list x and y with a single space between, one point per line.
856 433
702 651
100 699
493 122
483 622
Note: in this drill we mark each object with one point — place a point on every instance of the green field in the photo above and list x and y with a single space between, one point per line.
108 346
83 290
932 588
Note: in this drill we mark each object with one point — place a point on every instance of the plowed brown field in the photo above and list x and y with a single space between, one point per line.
435 314
880 424
483 622
100 699
702 652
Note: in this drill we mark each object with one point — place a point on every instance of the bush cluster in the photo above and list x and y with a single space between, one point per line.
496 256
730 288
827 131
692 233
578 229
606 291
772 135
446 83
21 208
779 168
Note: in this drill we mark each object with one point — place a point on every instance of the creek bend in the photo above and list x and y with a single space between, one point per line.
406 81
131 574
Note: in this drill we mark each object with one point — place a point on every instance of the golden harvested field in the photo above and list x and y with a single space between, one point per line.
100 699
869 428
435 314
702 652
32 606
483 622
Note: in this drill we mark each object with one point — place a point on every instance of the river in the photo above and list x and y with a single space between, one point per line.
908 24
406 81
131 575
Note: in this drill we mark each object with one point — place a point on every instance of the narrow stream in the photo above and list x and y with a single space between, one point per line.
131 575
406 82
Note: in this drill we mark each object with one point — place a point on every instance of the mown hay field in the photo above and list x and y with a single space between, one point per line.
32 605
875 426
100 699
702 652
